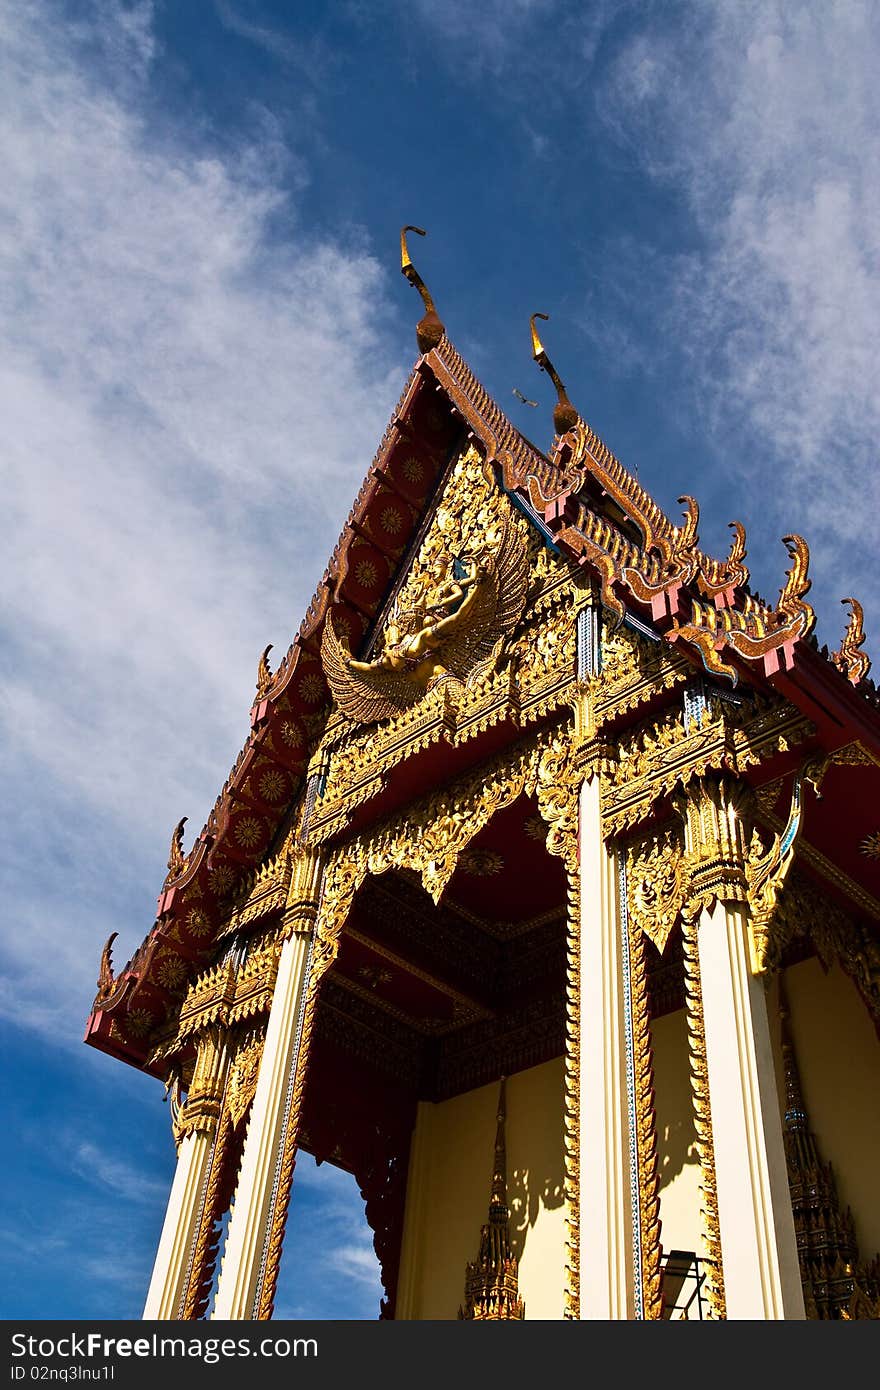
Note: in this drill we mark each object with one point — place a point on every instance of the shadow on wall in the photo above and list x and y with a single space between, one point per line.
676 1149
526 1195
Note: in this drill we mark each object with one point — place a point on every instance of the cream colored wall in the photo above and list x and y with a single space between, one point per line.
838 1056
679 1167
448 1195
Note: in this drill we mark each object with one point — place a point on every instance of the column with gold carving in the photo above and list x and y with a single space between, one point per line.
606 1278
606 1235
252 1252
195 1127
749 1228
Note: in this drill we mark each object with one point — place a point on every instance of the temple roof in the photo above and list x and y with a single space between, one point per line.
590 509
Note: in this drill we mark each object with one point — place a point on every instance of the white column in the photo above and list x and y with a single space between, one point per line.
171 1270
759 1251
606 1265
253 1202
169 1278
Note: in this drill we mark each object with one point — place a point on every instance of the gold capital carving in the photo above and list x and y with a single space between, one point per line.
723 862
711 808
199 1113
304 890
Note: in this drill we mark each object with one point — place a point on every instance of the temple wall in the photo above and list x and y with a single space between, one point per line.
838 1056
676 1154
448 1195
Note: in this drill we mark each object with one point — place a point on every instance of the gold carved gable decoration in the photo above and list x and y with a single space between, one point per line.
243 1079
656 886
465 594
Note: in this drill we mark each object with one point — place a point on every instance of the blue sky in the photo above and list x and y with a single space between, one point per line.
204 331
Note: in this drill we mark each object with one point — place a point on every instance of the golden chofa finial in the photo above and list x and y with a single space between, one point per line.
791 603
176 858
565 417
851 660
264 674
429 329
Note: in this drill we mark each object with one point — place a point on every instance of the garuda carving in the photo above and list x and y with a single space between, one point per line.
456 617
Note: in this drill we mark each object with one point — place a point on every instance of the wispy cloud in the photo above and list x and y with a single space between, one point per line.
488 36
308 58
120 1177
764 116
327 1234
354 1262
189 407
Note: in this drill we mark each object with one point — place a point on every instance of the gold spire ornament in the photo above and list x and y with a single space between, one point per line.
491 1283
565 417
429 329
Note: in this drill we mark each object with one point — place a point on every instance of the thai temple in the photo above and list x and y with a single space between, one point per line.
543 898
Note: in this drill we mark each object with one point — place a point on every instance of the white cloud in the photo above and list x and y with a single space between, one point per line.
487 36
190 405
327 1234
123 1179
764 116
306 58
356 1262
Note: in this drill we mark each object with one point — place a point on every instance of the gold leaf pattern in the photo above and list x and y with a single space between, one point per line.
365 573
481 863
248 832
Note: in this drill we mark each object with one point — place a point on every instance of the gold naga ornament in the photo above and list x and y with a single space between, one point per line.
456 616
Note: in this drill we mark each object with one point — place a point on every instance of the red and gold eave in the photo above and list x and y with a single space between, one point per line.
587 506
